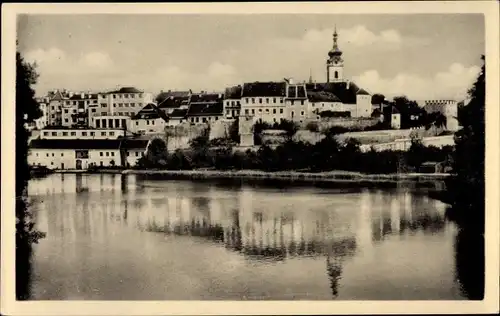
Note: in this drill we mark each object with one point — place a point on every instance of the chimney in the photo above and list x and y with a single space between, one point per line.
71 93
82 95
290 80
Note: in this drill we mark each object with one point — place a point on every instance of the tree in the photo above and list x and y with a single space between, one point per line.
466 189
27 110
378 98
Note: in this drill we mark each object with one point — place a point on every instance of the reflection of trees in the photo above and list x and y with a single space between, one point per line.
470 264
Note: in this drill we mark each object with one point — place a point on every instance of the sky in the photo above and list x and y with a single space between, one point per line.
421 56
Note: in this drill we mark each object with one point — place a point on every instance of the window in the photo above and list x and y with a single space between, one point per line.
246 100
93 110
267 110
246 111
197 119
253 100
54 133
73 133
274 111
232 103
47 154
228 112
137 154
147 122
292 113
260 110
100 163
52 154
98 123
45 133
112 154
260 100
65 133
100 154
92 133
103 105
128 153
291 102
136 123
107 154
302 113
302 102
114 96
274 100
253 111
152 122
336 74
103 133
66 111
111 133
104 113
66 120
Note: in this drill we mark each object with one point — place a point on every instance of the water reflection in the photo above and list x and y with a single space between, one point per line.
261 227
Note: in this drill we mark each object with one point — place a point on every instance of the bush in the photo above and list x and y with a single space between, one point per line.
312 127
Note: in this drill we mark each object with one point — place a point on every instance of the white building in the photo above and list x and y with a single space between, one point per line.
232 102
80 154
75 109
111 122
296 102
205 108
149 120
264 101
126 101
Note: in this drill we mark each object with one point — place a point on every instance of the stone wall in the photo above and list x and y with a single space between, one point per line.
178 137
220 129
351 123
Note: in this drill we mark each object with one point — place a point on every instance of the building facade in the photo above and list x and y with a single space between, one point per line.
449 108
264 101
296 102
232 102
149 120
126 101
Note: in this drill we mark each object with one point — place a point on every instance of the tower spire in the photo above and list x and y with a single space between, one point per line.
310 76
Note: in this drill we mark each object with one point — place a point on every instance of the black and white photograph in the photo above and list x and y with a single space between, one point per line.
248 153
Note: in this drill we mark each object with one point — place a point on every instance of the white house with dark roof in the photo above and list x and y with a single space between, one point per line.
205 108
172 100
264 101
296 102
177 116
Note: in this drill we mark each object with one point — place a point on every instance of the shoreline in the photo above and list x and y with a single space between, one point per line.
330 176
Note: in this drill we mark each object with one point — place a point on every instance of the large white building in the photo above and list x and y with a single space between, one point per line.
126 101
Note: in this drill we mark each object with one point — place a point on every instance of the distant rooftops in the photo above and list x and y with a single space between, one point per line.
127 90
233 92
205 109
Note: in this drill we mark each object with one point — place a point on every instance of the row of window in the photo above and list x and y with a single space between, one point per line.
122 105
90 101
125 95
148 122
84 154
108 123
247 111
203 119
292 102
260 100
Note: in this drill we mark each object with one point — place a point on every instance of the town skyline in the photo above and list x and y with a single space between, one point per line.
103 52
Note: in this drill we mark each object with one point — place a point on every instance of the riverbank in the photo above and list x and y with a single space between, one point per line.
336 176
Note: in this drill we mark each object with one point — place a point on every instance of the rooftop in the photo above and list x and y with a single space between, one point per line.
322 96
150 111
178 113
127 90
233 92
264 89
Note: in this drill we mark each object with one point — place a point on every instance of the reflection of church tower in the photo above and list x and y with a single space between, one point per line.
335 63
334 271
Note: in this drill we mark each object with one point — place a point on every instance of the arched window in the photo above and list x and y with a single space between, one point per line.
336 75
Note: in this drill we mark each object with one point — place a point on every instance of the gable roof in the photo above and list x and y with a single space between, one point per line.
172 95
134 143
203 109
150 111
178 113
362 91
233 92
394 110
264 89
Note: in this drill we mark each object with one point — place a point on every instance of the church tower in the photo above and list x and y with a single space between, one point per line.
335 63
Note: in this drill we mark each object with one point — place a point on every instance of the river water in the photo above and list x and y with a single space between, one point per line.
128 237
